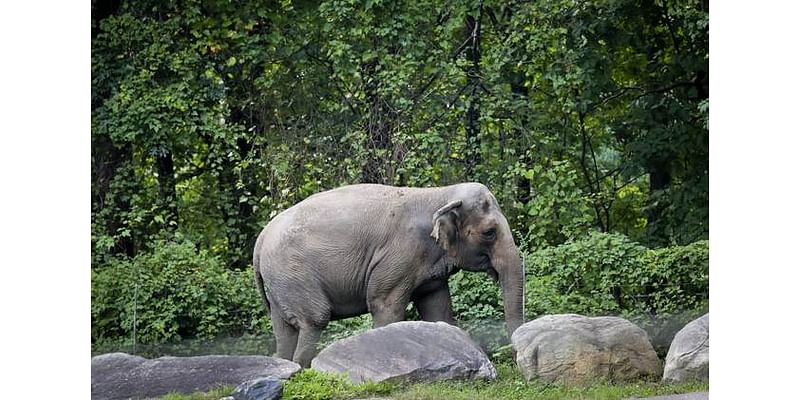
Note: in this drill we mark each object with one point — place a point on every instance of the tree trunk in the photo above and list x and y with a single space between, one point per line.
241 230
378 143
166 188
519 91
472 123
660 180
109 164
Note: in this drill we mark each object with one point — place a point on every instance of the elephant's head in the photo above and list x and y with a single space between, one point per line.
475 235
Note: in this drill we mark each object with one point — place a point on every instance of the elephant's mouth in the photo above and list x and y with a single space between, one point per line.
483 264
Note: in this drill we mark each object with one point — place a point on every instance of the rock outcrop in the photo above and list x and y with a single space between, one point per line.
687 358
414 351
269 388
570 348
124 376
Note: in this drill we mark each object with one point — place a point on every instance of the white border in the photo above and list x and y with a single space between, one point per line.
45 201
754 203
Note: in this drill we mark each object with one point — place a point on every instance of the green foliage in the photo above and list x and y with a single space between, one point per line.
475 296
608 273
311 384
510 384
176 291
560 208
478 308
262 343
209 118
344 328
679 274
591 276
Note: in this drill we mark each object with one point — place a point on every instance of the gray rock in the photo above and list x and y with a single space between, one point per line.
123 376
687 358
269 388
413 351
571 348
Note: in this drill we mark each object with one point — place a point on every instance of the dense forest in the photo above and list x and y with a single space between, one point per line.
587 119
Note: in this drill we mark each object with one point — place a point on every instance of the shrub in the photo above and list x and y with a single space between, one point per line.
676 291
678 277
177 291
344 328
596 275
475 297
561 209
180 291
478 308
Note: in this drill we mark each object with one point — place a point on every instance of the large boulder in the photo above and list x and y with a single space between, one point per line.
413 351
575 349
123 376
687 358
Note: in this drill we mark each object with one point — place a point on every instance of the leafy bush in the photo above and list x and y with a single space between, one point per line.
561 209
478 308
344 328
596 275
182 292
311 384
475 297
676 291
234 344
177 291
678 277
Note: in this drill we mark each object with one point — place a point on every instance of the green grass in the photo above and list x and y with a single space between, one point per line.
310 384
214 394
510 384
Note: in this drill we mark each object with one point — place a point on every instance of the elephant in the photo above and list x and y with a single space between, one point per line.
375 248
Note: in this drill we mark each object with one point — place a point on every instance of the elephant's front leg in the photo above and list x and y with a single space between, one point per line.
434 304
389 306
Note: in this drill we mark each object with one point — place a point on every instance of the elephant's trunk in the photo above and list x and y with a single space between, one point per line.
508 265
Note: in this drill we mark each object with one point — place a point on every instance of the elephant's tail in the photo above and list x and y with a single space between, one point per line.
260 287
257 269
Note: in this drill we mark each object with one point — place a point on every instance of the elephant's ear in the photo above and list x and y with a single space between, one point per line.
445 225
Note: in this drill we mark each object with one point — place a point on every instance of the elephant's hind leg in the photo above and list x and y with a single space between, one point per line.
307 345
285 335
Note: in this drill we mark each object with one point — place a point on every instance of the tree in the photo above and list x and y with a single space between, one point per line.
209 118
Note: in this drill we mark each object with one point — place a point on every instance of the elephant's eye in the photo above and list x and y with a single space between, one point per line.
489 234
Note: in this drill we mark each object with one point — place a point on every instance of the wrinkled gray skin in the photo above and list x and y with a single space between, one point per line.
374 248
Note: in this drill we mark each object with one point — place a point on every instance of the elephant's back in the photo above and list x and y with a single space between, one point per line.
330 232
349 221
355 213
345 207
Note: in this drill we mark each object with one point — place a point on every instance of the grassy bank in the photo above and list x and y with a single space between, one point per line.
313 385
